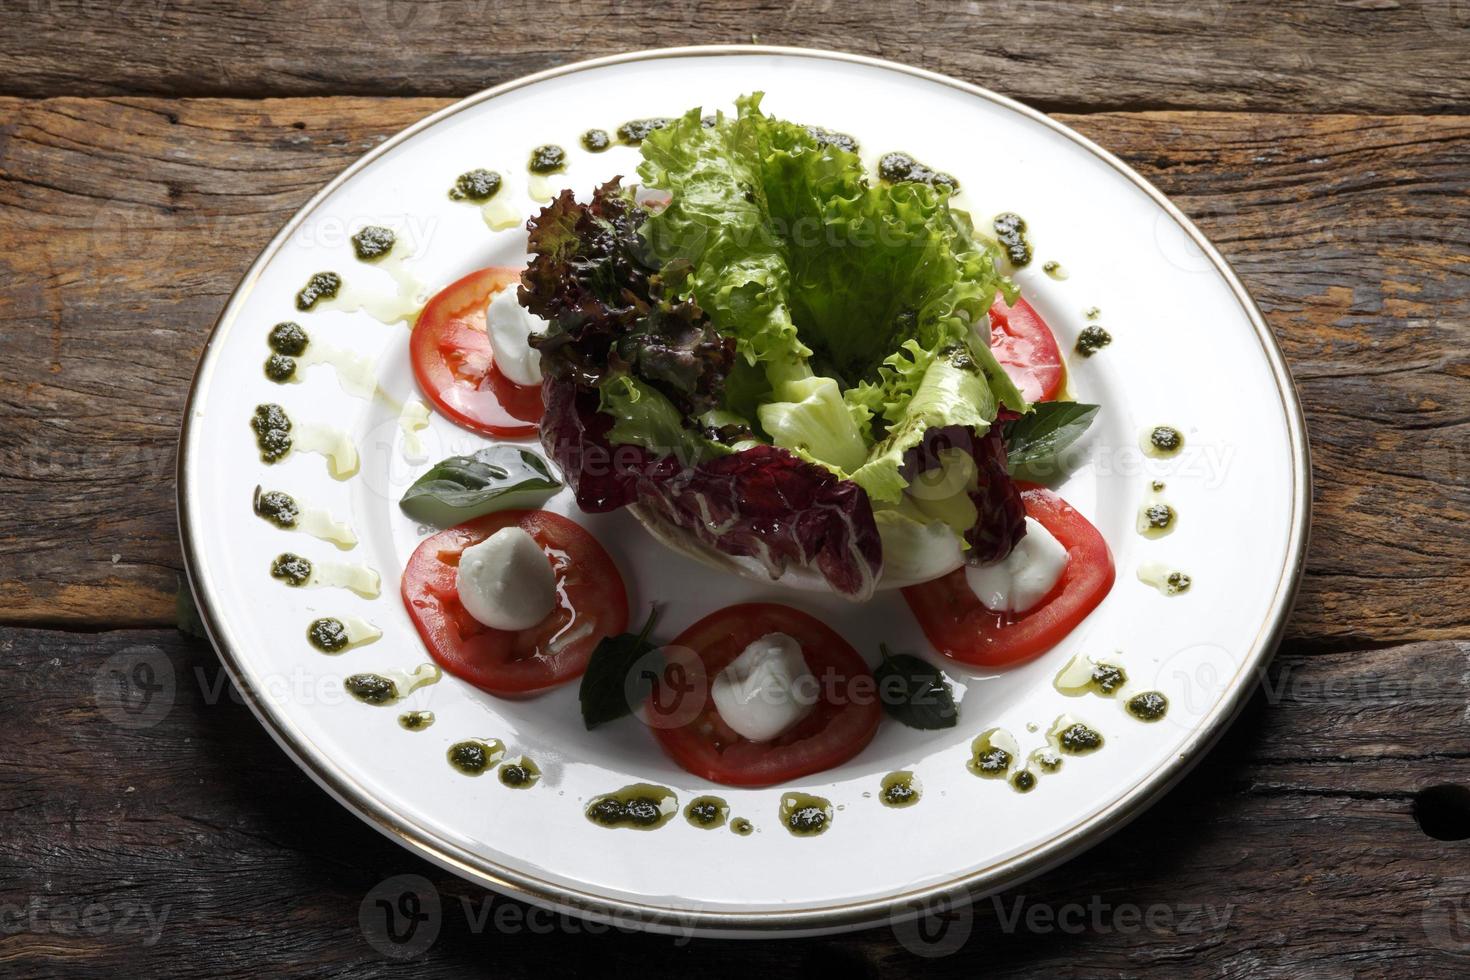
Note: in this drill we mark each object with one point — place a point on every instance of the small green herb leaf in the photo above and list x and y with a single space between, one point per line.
915 692
464 487
609 691
1035 440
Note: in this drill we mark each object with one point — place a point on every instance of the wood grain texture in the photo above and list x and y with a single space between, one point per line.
1293 850
1274 55
132 219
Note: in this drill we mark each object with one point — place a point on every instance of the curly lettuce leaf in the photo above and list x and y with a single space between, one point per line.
610 310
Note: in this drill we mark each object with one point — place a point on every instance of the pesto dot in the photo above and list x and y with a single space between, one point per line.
327 634
1092 339
900 168
272 432
520 774
470 757
1078 739
548 159
807 820
1010 231
288 338
1047 761
373 242
900 794
993 762
742 827
322 285
596 140
1107 678
1148 706
371 688
292 569
280 368
1177 582
705 811
608 811
826 137
634 131
1166 438
1159 516
415 721
1024 781
279 508
642 811
475 185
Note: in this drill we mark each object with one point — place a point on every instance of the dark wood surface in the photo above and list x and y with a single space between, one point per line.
149 148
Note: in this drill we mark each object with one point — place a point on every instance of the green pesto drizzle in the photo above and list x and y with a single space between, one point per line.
1092 339
288 338
272 432
707 812
415 721
641 806
634 131
474 755
328 635
475 185
548 159
899 789
805 815
900 168
1148 706
279 508
1010 230
373 242
290 568
519 773
322 285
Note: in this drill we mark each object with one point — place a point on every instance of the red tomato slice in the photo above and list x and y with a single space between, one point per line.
452 361
838 726
1026 348
960 626
591 604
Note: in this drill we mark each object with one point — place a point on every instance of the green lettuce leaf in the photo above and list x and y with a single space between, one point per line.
832 285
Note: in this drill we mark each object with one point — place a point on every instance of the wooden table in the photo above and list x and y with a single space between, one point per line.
149 148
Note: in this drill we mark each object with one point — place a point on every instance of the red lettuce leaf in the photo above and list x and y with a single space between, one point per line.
611 310
761 503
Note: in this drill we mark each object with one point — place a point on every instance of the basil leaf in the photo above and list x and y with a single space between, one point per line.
464 487
610 688
1035 440
915 692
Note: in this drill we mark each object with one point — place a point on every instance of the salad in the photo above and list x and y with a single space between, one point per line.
781 363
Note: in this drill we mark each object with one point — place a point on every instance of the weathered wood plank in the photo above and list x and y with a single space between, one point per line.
128 222
1064 55
1292 851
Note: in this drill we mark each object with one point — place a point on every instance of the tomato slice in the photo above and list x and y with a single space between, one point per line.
591 604
1027 349
962 628
838 726
453 364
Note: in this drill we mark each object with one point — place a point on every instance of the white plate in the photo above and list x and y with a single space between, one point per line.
1190 349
